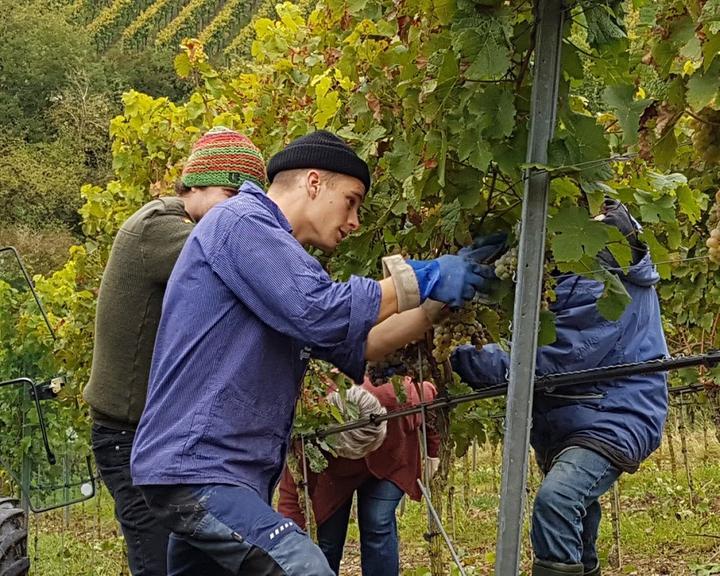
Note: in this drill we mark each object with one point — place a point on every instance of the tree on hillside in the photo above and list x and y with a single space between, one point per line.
38 50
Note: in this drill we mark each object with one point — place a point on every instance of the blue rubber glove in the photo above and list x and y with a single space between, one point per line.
451 279
485 249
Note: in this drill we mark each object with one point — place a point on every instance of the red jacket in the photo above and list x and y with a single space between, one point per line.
397 460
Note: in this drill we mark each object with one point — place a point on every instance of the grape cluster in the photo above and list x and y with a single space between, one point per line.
706 135
713 242
506 265
403 362
460 327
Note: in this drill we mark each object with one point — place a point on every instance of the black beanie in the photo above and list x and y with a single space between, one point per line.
324 151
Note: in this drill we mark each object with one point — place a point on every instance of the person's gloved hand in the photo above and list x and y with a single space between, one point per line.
357 443
485 249
451 279
615 213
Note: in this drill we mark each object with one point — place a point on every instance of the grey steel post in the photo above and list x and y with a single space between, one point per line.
549 14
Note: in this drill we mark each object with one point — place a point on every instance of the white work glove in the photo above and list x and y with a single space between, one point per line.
449 278
358 443
432 466
407 290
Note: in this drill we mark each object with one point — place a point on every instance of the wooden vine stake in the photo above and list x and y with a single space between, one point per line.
671 446
442 376
616 556
713 393
296 471
494 465
451 510
466 480
682 430
706 441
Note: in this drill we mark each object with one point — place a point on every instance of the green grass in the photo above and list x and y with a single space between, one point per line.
663 530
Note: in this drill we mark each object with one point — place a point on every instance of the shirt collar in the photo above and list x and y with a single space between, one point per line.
251 188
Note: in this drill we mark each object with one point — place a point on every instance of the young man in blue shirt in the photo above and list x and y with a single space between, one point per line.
245 308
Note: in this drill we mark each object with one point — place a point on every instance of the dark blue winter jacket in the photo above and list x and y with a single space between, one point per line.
622 418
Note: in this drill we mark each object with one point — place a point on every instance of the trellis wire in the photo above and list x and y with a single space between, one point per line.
547 382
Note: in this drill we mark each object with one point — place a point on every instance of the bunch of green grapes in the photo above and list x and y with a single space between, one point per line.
713 242
460 327
706 135
506 265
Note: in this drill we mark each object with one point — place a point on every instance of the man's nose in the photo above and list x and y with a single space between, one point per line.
354 221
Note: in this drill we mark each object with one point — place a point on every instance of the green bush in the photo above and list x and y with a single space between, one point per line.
40 184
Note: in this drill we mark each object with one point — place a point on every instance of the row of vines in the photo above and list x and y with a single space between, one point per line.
143 24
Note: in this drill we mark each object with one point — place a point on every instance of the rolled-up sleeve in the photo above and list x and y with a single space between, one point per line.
364 308
287 289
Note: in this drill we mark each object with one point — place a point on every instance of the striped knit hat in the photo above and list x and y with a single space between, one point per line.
223 157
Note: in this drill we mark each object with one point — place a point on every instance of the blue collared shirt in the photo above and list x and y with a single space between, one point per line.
245 308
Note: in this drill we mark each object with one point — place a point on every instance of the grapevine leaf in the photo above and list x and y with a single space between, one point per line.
473 149
621 100
655 209
491 62
665 150
442 160
183 67
581 143
444 10
702 88
711 49
572 65
547 333
658 252
490 320
499 106
482 38
619 246
690 202
398 384
711 15
615 297
603 27
574 234
563 188
666 182
402 160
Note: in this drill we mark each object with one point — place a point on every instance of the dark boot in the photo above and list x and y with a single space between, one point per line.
594 572
544 568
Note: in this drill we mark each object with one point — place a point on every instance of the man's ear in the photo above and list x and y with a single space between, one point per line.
312 183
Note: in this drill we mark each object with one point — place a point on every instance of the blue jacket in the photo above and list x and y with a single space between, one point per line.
244 309
622 418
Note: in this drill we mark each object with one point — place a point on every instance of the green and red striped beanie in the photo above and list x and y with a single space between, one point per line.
223 157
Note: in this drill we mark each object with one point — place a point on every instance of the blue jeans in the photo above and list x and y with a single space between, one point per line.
566 514
146 538
223 530
379 554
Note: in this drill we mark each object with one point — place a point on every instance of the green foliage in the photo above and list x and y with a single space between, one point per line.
40 183
436 96
38 50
